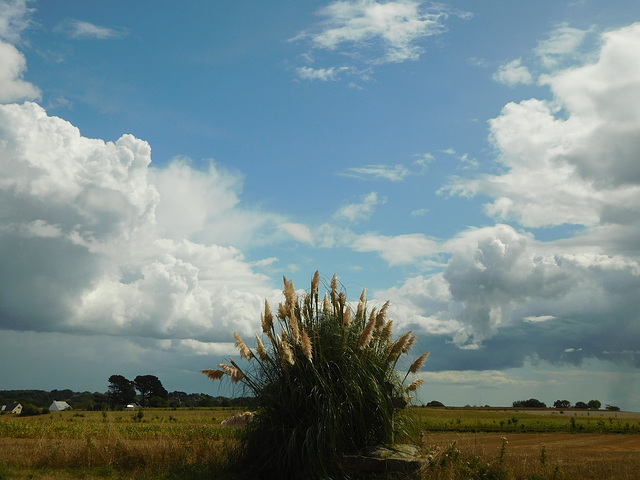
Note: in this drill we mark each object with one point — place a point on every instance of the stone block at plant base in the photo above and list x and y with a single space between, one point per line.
399 459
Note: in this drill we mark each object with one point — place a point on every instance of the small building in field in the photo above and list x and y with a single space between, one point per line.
58 406
12 408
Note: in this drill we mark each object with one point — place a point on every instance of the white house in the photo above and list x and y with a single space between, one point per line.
59 406
12 408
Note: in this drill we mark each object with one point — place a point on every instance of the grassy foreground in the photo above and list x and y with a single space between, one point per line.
191 444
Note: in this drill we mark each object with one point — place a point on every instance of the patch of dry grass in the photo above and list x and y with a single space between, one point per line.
168 444
532 456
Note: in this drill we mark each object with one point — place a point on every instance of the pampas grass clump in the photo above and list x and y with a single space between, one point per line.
325 381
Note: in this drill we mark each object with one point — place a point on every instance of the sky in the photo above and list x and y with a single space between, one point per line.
164 164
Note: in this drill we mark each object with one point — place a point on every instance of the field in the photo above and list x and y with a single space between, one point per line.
544 444
191 444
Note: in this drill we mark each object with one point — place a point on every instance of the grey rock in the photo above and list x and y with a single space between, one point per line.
399 459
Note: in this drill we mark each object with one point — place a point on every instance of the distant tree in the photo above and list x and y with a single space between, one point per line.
594 404
157 402
65 394
531 403
149 386
581 405
435 403
612 408
121 391
562 404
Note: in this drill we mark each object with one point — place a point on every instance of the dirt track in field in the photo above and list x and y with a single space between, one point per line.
601 456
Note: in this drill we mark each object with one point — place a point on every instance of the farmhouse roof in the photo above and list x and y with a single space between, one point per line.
58 406
12 408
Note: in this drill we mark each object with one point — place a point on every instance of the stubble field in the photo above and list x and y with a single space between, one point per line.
191 444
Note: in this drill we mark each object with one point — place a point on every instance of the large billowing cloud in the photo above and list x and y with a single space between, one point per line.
503 291
573 159
570 160
83 250
204 206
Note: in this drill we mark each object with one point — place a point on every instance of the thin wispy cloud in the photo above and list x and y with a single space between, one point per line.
299 232
563 42
357 212
420 212
377 33
14 18
392 173
321 74
81 30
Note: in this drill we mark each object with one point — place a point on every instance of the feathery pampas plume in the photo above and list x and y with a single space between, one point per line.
287 353
382 316
387 331
326 304
294 328
417 365
307 348
234 372
213 374
361 311
346 318
399 346
416 384
262 352
409 345
267 320
367 333
334 288
290 297
245 352
315 285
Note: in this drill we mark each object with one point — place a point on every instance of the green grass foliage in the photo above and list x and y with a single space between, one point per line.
509 420
326 383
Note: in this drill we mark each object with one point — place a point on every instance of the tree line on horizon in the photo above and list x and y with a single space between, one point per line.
42 399
561 404
38 401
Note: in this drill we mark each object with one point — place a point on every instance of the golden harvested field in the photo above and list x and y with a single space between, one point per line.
570 456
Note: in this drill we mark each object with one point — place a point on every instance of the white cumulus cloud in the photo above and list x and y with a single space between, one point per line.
513 73
397 250
573 159
85 251
13 87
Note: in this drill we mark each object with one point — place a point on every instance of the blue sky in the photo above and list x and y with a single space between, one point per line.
475 163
